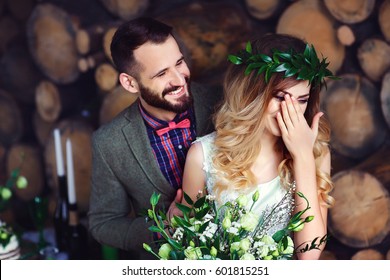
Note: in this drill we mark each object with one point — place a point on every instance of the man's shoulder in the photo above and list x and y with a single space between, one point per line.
208 97
205 91
114 128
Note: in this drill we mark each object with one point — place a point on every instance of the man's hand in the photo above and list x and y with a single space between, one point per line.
173 210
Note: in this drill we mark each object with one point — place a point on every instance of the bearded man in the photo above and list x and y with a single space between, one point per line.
143 149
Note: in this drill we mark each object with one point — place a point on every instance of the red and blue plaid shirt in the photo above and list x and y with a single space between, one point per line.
170 149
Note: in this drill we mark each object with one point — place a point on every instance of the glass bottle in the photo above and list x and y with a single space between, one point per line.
61 215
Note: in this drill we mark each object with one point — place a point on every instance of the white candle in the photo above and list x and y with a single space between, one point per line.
58 150
70 173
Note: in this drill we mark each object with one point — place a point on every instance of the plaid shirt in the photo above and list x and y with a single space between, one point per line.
170 149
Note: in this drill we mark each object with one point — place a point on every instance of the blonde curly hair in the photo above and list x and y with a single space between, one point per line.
239 123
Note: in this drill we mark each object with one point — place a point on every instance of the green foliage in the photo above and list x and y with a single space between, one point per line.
14 180
304 66
5 234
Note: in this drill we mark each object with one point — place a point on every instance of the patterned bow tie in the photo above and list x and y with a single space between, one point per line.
172 125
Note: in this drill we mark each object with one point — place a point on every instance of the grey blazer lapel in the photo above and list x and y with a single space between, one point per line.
138 142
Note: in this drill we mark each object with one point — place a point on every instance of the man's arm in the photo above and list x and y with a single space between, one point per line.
110 221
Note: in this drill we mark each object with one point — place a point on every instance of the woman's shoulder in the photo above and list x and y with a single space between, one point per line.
202 145
207 143
206 139
204 148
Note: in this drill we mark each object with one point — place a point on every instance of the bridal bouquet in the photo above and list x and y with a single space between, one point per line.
230 232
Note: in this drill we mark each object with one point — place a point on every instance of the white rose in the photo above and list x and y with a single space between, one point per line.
235 247
245 244
249 221
247 257
268 240
164 251
242 200
193 253
263 251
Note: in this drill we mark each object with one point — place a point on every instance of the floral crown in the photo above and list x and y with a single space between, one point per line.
306 65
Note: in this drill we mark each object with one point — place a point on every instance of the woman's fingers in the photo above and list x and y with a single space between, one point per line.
281 123
292 107
291 111
298 108
315 123
286 115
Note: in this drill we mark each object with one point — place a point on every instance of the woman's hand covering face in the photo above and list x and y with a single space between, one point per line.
297 135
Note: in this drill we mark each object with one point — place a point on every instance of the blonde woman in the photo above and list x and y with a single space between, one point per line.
270 136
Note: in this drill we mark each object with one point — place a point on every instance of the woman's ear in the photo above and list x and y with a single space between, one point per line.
129 83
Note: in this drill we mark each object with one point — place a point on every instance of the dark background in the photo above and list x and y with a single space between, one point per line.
217 28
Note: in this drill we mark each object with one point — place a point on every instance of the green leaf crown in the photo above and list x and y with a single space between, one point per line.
305 66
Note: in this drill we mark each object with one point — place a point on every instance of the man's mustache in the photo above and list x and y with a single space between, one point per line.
168 90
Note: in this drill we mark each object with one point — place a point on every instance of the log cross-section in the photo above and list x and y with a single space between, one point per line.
357 125
51 40
361 215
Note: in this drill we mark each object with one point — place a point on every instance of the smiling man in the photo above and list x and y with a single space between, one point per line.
143 149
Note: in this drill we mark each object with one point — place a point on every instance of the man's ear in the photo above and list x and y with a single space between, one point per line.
128 82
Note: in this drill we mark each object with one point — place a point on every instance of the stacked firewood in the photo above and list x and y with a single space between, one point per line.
56 72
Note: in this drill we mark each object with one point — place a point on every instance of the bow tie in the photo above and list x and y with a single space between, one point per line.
172 125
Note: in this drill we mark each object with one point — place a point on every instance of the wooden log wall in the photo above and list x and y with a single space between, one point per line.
56 72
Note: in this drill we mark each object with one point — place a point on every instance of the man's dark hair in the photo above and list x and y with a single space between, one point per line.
130 36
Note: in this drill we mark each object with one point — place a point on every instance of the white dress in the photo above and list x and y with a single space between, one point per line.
274 198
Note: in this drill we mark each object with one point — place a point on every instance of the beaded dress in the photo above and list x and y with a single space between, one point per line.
275 202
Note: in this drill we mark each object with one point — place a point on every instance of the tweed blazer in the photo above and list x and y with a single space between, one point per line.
125 173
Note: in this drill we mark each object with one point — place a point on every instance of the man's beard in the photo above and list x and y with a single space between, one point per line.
157 100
